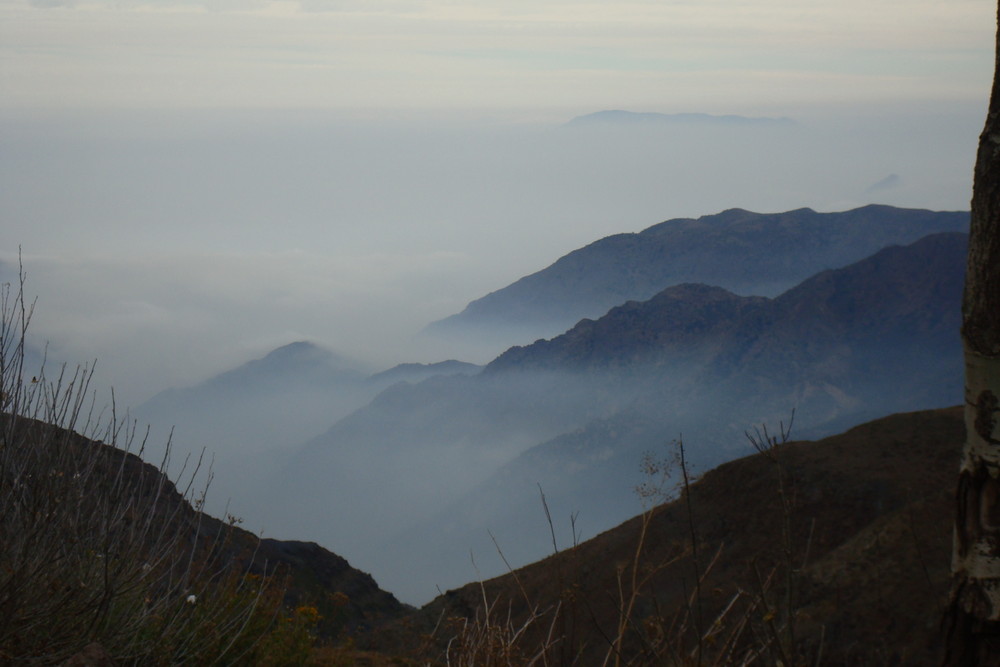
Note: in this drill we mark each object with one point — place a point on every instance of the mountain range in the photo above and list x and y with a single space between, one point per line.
574 415
433 475
744 252
450 449
251 417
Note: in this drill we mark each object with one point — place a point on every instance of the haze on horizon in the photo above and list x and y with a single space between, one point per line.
195 182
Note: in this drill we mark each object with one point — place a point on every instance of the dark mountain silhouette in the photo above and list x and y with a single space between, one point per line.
309 573
620 117
451 455
315 574
744 252
881 309
869 520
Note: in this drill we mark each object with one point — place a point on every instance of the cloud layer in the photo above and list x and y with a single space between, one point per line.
172 246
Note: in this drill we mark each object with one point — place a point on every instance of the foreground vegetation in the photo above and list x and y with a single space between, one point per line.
800 554
100 552
833 552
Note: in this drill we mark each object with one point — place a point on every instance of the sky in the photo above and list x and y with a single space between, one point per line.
362 57
192 183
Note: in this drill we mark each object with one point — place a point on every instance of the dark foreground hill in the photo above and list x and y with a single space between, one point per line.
744 252
98 546
848 539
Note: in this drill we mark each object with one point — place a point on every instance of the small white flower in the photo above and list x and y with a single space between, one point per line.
191 599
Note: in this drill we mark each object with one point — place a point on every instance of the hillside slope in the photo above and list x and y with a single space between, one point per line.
869 516
86 501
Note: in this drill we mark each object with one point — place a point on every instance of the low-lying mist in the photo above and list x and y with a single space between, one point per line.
173 247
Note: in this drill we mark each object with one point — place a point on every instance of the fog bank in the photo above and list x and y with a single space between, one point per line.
171 246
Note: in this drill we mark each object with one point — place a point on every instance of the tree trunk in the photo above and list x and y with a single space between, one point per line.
974 614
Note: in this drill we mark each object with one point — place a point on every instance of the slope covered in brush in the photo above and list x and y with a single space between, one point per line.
858 524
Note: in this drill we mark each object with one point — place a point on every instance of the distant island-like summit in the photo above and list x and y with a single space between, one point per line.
619 117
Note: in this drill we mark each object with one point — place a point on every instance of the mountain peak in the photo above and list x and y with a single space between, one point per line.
298 350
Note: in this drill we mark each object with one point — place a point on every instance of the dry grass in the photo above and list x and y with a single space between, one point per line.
754 626
96 546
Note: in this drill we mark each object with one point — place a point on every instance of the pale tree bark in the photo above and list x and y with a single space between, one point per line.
974 614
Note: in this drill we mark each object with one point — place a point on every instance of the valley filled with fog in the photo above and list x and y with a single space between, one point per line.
172 246
246 279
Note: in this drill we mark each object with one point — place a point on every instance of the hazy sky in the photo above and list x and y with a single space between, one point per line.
193 183
709 55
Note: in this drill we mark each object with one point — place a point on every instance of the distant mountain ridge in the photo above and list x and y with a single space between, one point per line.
877 337
311 385
621 117
302 380
883 296
574 414
744 252
249 417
